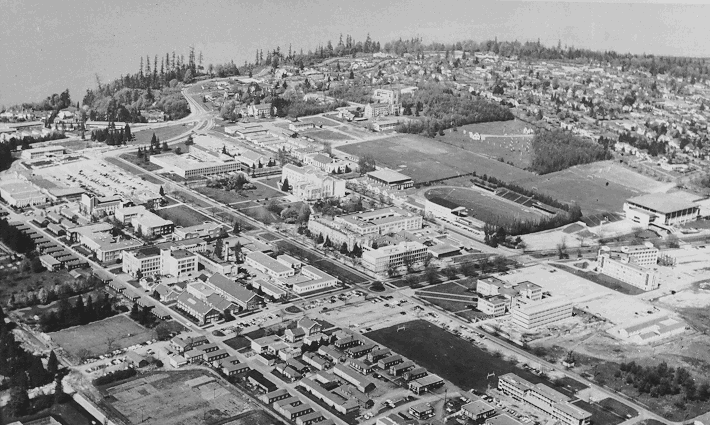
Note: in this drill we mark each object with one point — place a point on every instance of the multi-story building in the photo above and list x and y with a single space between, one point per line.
126 214
324 163
621 265
386 96
162 261
541 313
382 259
98 239
149 224
542 397
93 205
515 293
310 279
308 183
234 292
374 110
493 306
187 166
382 221
196 308
385 125
337 233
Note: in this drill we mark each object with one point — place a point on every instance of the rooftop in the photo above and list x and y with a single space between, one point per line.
389 176
664 203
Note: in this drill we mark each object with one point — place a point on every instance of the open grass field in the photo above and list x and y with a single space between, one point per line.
426 159
500 139
164 134
607 411
597 188
484 206
93 339
177 398
448 356
327 135
182 215
238 342
453 288
325 122
226 197
452 304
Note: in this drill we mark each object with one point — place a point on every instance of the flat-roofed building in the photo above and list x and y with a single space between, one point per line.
309 183
632 266
310 279
268 265
21 193
390 179
126 214
187 166
385 124
477 410
381 221
660 209
425 384
208 229
503 419
98 239
44 152
374 110
382 259
541 313
150 224
93 205
544 398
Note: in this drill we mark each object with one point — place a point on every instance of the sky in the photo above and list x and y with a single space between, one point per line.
46 47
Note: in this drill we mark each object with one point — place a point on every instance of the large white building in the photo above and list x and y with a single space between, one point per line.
390 179
623 265
381 221
661 210
45 152
269 265
187 166
150 224
393 256
161 261
21 193
308 183
535 314
310 279
98 239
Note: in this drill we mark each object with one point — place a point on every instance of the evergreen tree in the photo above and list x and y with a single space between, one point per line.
285 186
60 396
219 248
52 364
161 191
153 141
19 403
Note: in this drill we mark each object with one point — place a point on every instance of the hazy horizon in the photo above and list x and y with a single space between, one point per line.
49 47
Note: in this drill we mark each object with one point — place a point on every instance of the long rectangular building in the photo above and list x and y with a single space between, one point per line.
541 313
381 259
662 209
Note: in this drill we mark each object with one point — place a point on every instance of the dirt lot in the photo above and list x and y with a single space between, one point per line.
178 398
94 339
182 215
426 159
484 206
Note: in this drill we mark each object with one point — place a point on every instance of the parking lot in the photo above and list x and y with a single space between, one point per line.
98 177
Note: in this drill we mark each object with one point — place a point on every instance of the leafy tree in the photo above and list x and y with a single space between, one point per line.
366 163
165 147
189 141
344 248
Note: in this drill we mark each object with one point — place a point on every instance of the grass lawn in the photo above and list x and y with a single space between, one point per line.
262 191
448 356
513 147
426 159
238 342
166 133
603 280
325 122
269 237
484 206
450 304
175 397
327 135
472 314
261 214
15 281
182 215
454 288
326 265
93 339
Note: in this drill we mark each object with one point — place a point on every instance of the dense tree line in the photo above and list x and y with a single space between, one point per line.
500 231
49 294
653 147
80 312
116 376
295 108
662 380
23 370
558 150
5 156
112 136
442 109
15 239
54 102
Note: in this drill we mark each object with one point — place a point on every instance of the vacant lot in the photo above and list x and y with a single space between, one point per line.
603 280
164 134
503 139
101 337
426 159
449 356
598 187
182 215
484 206
187 397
